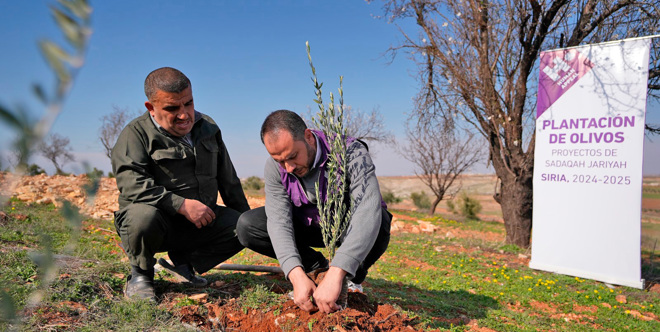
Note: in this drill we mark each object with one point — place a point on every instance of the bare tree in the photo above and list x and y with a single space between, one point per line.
111 126
13 159
56 148
368 127
478 66
440 155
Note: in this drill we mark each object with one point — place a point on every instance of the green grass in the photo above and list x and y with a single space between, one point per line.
651 237
91 275
651 192
445 283
479 284
259 297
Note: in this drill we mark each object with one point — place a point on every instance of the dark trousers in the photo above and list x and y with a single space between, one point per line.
253 234
146 230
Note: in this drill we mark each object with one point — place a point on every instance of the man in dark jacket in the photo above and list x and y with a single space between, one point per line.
170 164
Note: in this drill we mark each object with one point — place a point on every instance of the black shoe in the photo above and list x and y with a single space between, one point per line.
183 273
140 287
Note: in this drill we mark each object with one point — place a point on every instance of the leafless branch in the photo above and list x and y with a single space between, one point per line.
112 125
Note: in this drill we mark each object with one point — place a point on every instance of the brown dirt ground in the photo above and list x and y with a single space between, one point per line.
361 315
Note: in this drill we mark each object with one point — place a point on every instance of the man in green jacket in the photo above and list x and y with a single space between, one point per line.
170 164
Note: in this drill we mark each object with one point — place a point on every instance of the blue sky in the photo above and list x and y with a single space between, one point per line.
244 58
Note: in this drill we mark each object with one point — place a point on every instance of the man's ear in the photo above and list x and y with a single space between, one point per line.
149 106
309 137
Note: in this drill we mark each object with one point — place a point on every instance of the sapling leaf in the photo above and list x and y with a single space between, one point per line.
7 307
56 56
40 93
9 117
71 29
80 8
44 260
72 215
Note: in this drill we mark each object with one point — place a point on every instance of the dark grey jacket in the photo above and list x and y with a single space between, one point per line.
155 168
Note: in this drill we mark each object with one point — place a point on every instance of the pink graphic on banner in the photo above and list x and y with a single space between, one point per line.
560 70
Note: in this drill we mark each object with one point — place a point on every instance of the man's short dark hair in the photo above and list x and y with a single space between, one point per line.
166 79
286 120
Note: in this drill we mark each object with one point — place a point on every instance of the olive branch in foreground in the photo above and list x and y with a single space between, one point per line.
73 18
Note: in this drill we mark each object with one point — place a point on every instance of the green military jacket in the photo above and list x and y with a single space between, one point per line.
155 168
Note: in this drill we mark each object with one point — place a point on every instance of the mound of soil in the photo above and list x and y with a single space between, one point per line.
361 315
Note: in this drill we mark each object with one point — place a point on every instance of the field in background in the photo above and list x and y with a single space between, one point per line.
478 186
482 187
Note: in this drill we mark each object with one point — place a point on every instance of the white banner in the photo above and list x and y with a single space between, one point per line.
588 161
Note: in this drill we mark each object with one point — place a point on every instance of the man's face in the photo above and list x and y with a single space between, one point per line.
295 157
175 112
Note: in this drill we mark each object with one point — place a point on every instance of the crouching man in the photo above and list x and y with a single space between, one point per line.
170 164
288 226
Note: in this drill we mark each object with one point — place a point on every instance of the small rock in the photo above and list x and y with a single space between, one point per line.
396 226
426 226
199 297
621 298
45 200
639 315
606 305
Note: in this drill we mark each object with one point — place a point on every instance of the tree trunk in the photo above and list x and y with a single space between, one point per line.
515 198
434 205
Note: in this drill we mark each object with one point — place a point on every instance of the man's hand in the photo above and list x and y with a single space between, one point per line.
198 213
303 288
327 292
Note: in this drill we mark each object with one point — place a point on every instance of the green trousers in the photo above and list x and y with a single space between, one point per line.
146 230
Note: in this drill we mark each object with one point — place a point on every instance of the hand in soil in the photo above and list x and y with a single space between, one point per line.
327 292
303 288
